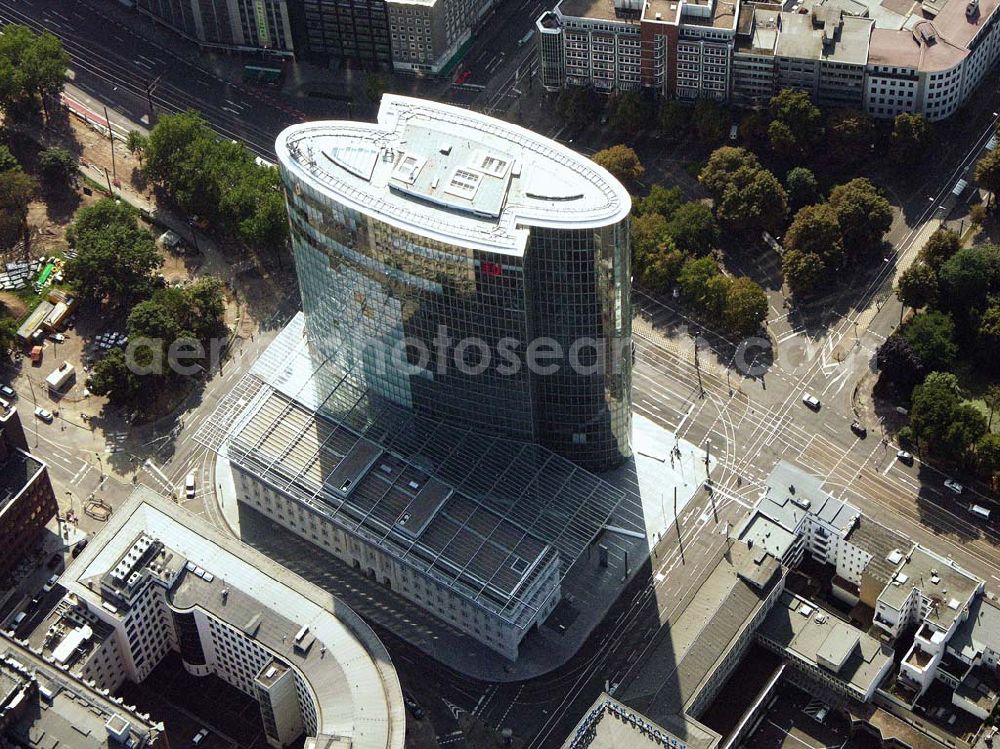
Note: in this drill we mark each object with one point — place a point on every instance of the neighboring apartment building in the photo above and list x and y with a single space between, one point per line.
158 578
427 34
234 25
927 58
27 502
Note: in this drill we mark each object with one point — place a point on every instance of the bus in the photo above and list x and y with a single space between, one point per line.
264 74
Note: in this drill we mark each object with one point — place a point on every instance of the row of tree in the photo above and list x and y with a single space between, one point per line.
217 180
956 292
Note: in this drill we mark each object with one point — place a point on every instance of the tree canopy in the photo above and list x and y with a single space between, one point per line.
988 173
622 162
746 306
16 191
939 248
816 229
850 134
918 286
931 338
217 180
693 228
911 135
802 271
115 256
58 167
863 213
32 67
661 200
802 188
710 121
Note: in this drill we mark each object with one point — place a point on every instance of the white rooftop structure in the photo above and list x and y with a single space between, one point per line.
354 688
452 174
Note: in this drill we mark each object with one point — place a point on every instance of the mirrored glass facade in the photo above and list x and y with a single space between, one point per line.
532 345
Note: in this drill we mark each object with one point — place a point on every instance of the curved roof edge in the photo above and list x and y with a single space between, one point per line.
420 217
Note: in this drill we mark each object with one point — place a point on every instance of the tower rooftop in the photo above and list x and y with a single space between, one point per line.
452 174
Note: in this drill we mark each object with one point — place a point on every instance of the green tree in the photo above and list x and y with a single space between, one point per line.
988 455
781 139
753 201
795 109
988 173
115 257
911 135
694 229
32 67
151 319
112 377
716 295
898 364
816 230
940 247
992 399
753 127
16 191
136 143
627 112
917 286
8 163
659 270
802 188
576 105
850 135
864 215
931 337
661 200
802 271
694 279
673 120
622 162
8 333
649 232
967 427
375 86
710 120
723 163
58 167
933 406
206 307
746 306
969 277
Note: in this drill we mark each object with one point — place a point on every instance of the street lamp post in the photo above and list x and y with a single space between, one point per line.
100 463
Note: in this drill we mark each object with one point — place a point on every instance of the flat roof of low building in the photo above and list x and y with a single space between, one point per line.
801 37
758 29
348 671
717 14
71 713
792 493
949 587
16 473
693 645
881 543
809 632
609 724
979 632
451 174
980 687
597 10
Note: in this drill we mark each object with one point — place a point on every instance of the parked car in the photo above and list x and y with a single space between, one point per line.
7 392
904 457
811 401
18 619
415 710
57 337
44 415
80 546
200 736
859 429
189 486
954 486
50 583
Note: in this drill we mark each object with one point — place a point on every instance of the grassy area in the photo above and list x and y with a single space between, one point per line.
974 382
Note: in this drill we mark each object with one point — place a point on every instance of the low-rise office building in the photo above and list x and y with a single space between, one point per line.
158 578
27 502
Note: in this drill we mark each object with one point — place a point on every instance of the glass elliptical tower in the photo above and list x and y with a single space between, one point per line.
468 270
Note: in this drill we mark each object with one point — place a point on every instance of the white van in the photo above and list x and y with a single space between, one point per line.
979 511
189 486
